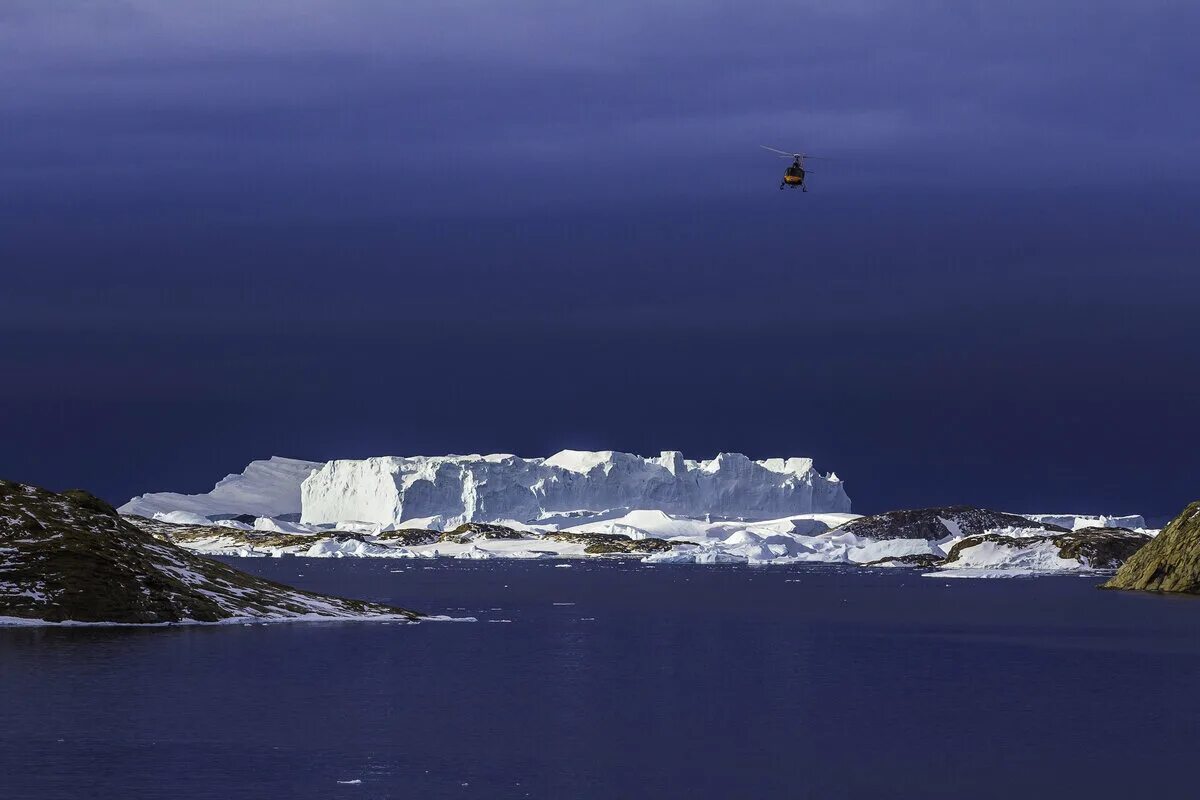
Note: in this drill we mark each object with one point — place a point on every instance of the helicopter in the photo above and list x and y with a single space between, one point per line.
793 176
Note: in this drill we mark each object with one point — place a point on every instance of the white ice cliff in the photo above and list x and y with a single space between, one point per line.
267 488
444 491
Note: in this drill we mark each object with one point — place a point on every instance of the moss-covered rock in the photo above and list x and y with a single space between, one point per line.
409 537
609 543
648 545
474 531
85 499
71 557
1101 548
573 537
1170 562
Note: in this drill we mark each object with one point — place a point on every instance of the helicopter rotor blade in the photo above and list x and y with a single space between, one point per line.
798 156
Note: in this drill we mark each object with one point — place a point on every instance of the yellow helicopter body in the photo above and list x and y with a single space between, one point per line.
794 175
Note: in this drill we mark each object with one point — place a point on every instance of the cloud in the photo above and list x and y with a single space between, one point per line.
958 92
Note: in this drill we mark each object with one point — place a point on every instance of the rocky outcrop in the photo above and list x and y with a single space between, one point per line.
605 543
1101 548
1170 562
919 560
70 556
934 524
617 546
409 537
475 531
1087 548
185 534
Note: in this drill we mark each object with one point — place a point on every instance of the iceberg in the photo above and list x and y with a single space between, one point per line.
488 488
1073 522
608 504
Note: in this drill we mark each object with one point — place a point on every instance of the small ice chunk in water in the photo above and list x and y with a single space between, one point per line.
354 782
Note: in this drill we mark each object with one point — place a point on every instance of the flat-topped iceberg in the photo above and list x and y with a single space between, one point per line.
445 491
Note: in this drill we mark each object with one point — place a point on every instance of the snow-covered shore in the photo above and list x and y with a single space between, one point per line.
659 538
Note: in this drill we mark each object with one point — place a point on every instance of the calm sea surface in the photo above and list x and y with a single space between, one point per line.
621 680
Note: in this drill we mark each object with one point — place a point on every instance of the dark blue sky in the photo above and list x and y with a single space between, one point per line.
339 229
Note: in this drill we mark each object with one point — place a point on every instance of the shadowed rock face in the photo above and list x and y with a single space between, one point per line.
931 523
1102 548
1170 562
70 556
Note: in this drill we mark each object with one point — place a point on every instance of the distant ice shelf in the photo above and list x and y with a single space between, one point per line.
726 510
443 491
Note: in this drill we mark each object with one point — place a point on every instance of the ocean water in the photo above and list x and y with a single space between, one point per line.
622 680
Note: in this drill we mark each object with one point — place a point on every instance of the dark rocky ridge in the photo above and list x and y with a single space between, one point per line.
1100 548
922 560
183 533
926 523
1170 562
604 543
187 532
474 531
409 537
70 556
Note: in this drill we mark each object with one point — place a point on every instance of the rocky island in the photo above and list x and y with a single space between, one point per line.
72 557
1170 563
